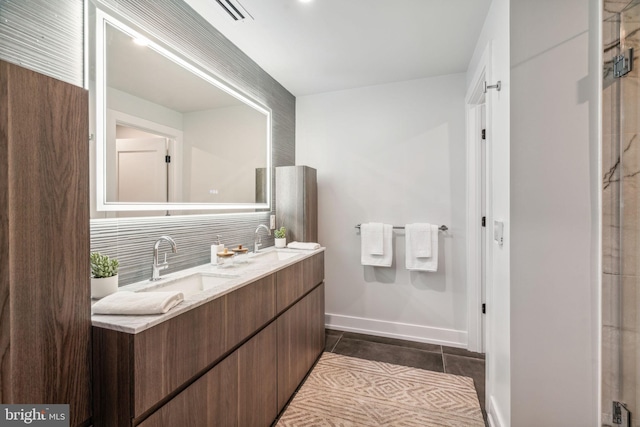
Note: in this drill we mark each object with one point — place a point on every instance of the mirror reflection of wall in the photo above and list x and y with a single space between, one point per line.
171 136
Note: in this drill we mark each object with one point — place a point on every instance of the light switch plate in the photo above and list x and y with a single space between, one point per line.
272 222
498 232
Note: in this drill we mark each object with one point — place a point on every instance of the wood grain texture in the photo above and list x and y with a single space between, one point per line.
257 384
171 353
47 181
5 318
313 271
249 308
289 286
112 378
297 202
300 342
210 401
294 281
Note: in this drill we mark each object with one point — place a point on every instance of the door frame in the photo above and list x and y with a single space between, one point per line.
478 327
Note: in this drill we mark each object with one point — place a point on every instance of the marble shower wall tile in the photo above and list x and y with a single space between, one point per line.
610 370
610 205
611 300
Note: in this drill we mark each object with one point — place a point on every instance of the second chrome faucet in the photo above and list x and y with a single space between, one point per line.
158 266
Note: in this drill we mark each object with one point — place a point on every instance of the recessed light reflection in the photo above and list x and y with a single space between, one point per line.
141 41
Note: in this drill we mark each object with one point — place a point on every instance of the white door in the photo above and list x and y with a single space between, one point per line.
141 170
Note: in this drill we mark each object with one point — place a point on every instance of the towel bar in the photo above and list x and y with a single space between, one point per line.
400 227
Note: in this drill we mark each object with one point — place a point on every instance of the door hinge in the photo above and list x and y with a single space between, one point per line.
484 308
621 415
167 159
484 134
484 221
623 64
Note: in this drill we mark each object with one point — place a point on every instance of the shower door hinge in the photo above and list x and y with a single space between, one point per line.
484 308
484 221
623 64
167 159
621 415
484 134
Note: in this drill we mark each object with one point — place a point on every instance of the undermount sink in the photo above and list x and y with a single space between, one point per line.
189 285
274 255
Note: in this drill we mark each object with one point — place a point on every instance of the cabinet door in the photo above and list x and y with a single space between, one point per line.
300 342
210 401
257 404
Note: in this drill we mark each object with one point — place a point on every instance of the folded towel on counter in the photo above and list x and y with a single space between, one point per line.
124 302
418 240
416 263
371 235
367 258
309 246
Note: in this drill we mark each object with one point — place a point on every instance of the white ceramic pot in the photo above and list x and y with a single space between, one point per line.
104 286
281 243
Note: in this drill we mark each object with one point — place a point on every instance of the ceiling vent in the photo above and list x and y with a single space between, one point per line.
235 10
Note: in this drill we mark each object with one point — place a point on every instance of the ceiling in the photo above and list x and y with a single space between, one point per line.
330 45
140 71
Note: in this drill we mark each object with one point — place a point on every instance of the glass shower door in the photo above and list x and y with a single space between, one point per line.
621 215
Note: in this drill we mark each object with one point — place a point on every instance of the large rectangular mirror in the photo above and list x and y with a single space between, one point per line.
170 135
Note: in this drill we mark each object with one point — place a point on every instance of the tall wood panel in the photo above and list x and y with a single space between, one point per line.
297 202
44 242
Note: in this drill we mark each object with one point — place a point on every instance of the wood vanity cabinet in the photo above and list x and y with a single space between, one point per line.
230 362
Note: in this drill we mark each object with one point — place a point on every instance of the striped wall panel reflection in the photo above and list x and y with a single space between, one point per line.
44 36
131 240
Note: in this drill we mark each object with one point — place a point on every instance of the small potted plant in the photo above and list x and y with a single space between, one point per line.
104 275
281 237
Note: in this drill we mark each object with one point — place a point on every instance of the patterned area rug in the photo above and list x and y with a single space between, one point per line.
346 391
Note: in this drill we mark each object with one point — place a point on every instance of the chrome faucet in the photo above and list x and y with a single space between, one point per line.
164 265
257 241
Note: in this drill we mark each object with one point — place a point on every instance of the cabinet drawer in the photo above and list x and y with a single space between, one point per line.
210 401
294 281
249 308
169 354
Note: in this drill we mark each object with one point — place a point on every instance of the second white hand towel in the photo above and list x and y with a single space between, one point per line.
418 263
367 257
418 240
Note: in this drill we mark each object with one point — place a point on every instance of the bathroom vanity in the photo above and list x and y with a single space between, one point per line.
230 354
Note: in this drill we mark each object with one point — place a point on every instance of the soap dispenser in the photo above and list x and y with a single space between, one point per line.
215 249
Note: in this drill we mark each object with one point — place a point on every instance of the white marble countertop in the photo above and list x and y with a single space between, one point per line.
228 280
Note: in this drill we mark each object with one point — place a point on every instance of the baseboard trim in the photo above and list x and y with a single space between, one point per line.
493 414
403 331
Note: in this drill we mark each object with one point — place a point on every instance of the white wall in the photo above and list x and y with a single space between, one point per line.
222 149
495 34
542 355
555 188
391 153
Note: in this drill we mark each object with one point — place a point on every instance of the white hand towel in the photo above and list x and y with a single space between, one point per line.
372 238
418 240
308 246
124 302
367 258
420 263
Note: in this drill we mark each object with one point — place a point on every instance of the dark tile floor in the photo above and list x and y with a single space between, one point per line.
409 353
